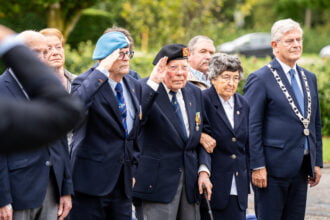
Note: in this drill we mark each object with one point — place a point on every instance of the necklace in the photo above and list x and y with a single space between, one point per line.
304 121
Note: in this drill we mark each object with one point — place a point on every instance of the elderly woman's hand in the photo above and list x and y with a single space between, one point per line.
208 142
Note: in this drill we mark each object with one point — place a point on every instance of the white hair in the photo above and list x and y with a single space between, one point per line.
280 27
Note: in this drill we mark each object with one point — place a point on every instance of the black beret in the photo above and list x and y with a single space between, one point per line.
173 52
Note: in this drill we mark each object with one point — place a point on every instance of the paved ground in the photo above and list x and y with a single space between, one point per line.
318 201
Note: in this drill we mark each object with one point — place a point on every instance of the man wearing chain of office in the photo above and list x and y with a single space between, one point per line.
285 128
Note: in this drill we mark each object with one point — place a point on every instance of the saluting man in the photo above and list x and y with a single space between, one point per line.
167 175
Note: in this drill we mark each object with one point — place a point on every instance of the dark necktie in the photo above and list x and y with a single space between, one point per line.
299 98
121 106
178 112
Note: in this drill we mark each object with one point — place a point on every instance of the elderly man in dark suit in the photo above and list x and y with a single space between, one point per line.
105 150
167 175
51 110
285 128
35 184
228 114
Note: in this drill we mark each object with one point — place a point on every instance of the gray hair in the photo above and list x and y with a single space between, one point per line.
280 27
221 62
194 41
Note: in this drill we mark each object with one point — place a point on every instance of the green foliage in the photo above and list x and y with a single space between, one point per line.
91 26
326 150
79 60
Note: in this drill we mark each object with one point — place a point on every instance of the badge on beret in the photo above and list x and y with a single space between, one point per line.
185 52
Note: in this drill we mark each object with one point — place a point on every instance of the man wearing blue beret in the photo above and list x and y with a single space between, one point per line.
104 148
167 178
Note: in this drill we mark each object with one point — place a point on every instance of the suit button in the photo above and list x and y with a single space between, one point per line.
180 170
236 174
233 139
233 156
48 163
121 161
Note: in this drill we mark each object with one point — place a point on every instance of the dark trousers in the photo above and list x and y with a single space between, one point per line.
284 198
114 206
231 212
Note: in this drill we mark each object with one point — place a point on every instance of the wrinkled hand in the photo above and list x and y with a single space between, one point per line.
6 213
64 207
107 62
317 177
204 179
259 177
208 142
159 71
5 32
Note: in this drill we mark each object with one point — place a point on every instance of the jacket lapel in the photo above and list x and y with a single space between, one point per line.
166 107
110 98
219 108
237 114
136 104
13 86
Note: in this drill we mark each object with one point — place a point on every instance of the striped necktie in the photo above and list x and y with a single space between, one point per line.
121 106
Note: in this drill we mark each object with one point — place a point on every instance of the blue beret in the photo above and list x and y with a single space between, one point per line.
173 52
108 43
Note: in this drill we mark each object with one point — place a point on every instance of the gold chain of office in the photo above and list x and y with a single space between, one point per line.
304 121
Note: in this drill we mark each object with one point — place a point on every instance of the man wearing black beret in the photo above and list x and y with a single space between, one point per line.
171 172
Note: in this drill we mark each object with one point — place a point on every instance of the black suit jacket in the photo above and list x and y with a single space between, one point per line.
50 115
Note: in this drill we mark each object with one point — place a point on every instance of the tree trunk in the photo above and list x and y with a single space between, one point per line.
57 20
308 18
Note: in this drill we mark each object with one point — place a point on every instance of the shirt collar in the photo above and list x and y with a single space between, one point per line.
285 67
199 76
179 92
229 102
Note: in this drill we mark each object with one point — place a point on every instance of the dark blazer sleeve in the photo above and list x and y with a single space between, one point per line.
254 92
51 113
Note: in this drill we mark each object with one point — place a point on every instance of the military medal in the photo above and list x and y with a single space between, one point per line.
304 121
197 120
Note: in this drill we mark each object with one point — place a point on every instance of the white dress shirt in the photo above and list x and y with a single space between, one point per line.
229 110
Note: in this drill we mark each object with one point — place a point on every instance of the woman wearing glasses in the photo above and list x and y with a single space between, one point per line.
56 56
227 112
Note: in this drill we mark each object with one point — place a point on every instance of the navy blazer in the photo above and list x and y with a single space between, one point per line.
165 152
24 176
276 133
100 149
230 157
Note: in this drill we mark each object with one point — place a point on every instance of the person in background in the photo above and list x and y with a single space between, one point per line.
167 179
56 56
201 49
132 73
228 115
285 128
35 184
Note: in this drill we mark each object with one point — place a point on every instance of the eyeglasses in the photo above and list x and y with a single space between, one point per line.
227 78
290 42
130 55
